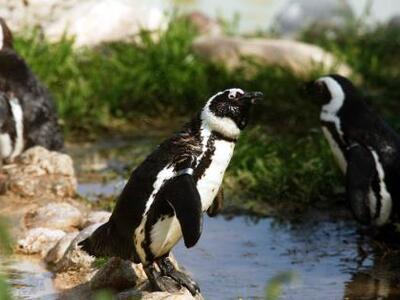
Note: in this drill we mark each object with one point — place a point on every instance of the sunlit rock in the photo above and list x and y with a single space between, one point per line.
74 258
204 24
89 21
60 215
97 217
57 252
38 172
39 241
299 57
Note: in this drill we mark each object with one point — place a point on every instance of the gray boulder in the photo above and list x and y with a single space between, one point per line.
297 15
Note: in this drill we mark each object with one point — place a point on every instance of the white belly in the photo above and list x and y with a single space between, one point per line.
5 145
337 152
210 182
164 235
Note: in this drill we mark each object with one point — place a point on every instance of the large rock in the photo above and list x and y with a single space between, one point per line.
39 241
300 57
38 172
89 21
297 15
61 216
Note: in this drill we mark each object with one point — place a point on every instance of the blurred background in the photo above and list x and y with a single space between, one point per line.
126 73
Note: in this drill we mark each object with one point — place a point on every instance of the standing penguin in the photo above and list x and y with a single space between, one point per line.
167 194
27 113
365 147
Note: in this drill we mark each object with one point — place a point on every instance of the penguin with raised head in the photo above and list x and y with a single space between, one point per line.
166 195
27 113
366 148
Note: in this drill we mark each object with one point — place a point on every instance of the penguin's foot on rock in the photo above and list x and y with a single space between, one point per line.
159 282
168 269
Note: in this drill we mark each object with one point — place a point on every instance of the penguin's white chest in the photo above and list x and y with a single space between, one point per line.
209 184
337 152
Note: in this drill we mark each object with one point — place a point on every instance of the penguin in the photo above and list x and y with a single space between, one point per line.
167 194
28 115
366 149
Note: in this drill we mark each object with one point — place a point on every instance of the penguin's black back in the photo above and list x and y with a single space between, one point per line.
361 124
39 112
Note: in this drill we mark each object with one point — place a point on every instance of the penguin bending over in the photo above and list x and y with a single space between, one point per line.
167 194
27 113
366 148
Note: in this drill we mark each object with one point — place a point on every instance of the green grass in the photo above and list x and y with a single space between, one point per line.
282 157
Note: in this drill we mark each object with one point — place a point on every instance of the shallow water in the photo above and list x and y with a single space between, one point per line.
235 258
29 279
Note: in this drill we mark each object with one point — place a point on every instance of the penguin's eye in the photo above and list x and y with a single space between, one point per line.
231 96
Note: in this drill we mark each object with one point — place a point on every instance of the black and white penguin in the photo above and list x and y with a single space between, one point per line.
366 148
27 113
167 194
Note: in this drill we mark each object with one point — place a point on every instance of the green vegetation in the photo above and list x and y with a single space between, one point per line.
5 248
282 157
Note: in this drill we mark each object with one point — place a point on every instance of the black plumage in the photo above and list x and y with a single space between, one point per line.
40 123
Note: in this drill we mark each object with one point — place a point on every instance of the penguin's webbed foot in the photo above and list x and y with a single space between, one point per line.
159 282
168 269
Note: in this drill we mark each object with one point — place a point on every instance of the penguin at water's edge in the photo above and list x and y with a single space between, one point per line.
166 195
366 148
28 115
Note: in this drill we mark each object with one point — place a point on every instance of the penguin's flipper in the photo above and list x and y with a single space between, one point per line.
360 174
217 204
181 193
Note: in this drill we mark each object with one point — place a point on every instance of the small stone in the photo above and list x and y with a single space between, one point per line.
61 216
97 217
39 240
58 251
74 258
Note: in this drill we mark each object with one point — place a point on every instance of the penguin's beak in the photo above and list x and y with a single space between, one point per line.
253 97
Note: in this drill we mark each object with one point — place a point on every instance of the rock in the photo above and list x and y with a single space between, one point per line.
116 274
97 217
300 57
59 249
89 21
74 258
39 241
394 22
204 24
61 216
39 172
183 294
298 15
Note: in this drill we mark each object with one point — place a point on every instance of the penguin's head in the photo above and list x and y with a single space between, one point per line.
331 92
6 38
227 112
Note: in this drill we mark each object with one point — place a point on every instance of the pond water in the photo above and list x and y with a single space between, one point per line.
236 257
